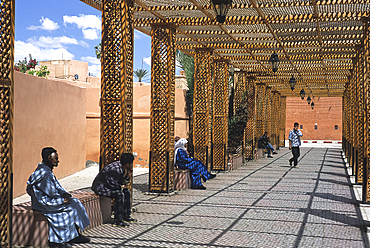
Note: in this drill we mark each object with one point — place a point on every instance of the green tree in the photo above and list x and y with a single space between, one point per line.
141 73
237 124
186 63
98 51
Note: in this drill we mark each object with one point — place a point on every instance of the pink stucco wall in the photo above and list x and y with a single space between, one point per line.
47 113
141 121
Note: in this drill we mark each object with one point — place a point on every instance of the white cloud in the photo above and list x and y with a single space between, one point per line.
90 34
55 42
23 49
148 60
46 24
89 24
95 70
91 60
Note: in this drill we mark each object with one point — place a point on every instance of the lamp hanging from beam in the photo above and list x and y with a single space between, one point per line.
312 105
309 100
274 61
292 82
302 94
221 7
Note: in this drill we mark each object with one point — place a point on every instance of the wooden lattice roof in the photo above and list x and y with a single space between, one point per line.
315 40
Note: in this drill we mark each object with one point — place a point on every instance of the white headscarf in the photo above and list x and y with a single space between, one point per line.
180 144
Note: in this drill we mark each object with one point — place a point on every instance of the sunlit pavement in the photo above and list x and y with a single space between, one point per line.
265 203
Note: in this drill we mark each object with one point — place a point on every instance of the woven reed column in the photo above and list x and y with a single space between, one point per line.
274 117
6 113
344 120
220 114
162 108
278 116
348 119
201 108
239 82
268 106
359 115
282 124
366 104
250 128
351 123
260 110
117 80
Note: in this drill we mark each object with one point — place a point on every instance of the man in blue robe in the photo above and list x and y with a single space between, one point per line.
197 169
64 213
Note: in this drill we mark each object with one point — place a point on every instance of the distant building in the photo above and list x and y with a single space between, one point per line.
324 122
72 70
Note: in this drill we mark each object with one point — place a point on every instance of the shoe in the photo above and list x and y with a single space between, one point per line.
199 187
59 245
121 224
290 162
80 240
269 156
274 153
212 176
129 219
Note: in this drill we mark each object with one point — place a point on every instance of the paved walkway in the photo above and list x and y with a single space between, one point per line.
265 203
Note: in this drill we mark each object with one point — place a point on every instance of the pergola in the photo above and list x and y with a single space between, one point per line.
323 44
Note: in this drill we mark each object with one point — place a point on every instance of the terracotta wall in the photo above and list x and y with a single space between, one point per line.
141 121
326 114
47 113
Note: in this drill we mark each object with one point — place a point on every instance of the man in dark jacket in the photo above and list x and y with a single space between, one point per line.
112 182
264 143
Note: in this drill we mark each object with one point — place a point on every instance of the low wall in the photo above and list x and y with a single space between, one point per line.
47 113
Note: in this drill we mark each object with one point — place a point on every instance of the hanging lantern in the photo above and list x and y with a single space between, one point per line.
302 94
292 82
312 105
274 61
309 100
221 8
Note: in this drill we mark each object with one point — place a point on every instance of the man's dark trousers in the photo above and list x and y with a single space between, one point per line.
296 154
122 205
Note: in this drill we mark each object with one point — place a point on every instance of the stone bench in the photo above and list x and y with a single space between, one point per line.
235 162
181 179
30 228
260 153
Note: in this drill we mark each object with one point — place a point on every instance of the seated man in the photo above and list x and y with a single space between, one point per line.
112 182
64 213
264 143
196 167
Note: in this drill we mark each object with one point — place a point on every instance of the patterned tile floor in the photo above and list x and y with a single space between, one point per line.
265 203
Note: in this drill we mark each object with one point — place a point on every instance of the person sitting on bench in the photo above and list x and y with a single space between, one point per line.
264 143
64 213
112 182
197 169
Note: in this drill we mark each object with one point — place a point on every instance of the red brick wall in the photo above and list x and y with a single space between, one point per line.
327 113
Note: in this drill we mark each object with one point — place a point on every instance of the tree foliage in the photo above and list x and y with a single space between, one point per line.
237 124
98 51
24 65
141 73
186 63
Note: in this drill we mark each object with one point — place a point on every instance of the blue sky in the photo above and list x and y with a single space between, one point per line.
68 29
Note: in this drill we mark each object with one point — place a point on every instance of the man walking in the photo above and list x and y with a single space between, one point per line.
294 143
